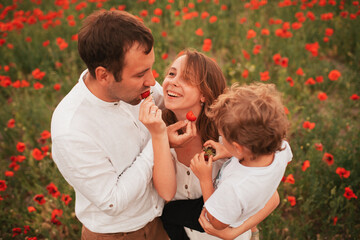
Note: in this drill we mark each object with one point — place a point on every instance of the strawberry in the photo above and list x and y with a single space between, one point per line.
190 116
145 94
208 151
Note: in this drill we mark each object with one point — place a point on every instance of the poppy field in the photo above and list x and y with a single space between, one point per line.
310 49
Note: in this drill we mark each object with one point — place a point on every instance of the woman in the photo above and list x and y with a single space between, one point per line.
192 83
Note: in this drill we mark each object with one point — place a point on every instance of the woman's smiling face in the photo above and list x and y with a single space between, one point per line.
180 96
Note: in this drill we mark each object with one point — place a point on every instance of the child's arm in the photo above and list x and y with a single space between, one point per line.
221 151
164 176
231 233
203 171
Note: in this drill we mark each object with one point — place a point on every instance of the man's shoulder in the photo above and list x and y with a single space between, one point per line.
65 111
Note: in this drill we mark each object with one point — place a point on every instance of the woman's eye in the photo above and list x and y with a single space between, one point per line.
171 74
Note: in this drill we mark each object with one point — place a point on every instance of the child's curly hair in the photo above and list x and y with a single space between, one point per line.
252 116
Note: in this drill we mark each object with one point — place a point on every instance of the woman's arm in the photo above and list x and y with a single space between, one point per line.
231 233
164 177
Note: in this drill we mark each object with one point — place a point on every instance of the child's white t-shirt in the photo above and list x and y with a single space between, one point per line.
242 191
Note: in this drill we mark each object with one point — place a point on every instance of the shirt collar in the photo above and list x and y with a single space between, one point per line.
91 97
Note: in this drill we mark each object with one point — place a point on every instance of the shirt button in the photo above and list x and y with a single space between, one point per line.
186 186
188 172
111 205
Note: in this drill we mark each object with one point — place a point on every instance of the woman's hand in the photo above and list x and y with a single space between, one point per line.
150 116
221 151
176 140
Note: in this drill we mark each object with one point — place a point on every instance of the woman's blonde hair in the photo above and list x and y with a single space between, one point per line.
201 71
252 116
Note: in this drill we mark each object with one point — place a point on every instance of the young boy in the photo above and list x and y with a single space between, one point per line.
253 125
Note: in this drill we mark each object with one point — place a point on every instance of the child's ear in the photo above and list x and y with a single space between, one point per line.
239 149
101 75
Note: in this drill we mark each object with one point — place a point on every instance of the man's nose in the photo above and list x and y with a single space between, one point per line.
150 79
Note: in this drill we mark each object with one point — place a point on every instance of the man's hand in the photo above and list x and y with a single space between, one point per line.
227 233
176 139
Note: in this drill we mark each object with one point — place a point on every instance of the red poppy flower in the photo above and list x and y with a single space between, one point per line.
319 79
158 11
300 72
322 96
355 97
20 146
26 229
144 13
57 86
204 15
207 45
45 134
277 59
37 74
251 34
286 110
328 158
349 193
284 62
242 20
342 172
245 73
265 32
199 32
318 146
52 190
155 19
290 81
31 209
305 165
313 48
11 123
290 179
256 49
56 213
16 231
2 185
212 19
292 200
334 75
264 76
335 219
308 125
38 85
164 34
66 199
329 32
310 81
155 74
9 173
40 199
37 154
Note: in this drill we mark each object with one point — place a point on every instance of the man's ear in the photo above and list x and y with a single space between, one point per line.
102 75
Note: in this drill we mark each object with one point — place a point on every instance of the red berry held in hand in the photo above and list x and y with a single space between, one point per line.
190 116
145 94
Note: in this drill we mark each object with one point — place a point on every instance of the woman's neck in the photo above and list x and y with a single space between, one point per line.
187 151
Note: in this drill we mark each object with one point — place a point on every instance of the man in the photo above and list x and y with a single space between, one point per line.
98 143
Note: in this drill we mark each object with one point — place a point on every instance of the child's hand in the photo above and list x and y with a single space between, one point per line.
221 151
201 168
150 116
